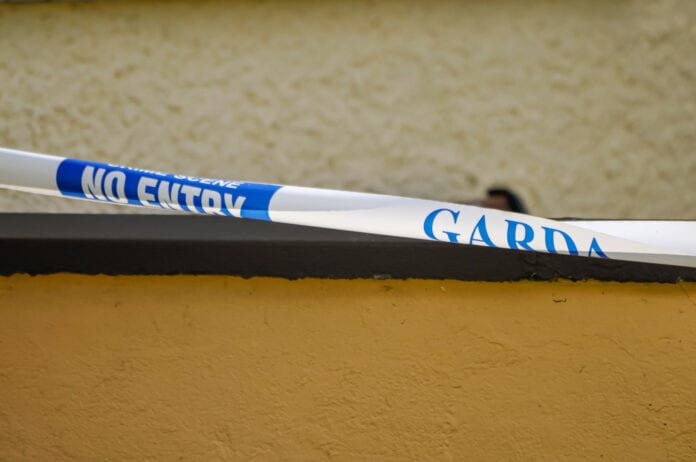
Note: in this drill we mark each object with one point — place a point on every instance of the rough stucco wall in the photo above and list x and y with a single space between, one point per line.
222 368
586 107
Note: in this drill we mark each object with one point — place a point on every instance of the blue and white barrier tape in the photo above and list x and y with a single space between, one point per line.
672 243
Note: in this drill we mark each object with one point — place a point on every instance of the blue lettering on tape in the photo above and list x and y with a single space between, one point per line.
520 235
125 185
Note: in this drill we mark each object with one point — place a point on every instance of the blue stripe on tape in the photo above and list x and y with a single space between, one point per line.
124 185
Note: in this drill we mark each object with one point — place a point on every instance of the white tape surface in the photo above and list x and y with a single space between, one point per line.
643 241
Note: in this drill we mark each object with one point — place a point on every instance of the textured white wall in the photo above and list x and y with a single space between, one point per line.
587 108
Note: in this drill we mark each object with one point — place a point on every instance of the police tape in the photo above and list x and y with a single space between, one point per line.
670 242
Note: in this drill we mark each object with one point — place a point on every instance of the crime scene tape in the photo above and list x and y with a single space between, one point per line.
668 242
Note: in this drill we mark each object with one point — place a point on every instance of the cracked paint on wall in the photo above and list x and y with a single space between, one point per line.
220 368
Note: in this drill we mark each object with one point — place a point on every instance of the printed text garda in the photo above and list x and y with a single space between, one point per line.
444 225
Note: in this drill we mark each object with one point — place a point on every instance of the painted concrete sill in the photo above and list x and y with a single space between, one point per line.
176 244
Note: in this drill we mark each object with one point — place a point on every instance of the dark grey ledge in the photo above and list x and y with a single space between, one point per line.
179 244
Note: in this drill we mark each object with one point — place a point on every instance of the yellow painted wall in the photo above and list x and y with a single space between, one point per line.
223 368
586 107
